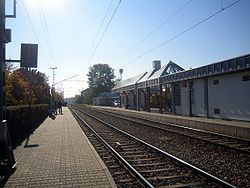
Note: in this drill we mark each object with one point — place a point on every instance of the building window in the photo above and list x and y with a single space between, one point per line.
191 85
216 82
177 94
245 78
217 111
184 83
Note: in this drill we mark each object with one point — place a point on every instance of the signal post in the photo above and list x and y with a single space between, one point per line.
7 160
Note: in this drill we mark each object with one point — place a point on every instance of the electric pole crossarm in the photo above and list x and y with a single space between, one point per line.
53 69
12 61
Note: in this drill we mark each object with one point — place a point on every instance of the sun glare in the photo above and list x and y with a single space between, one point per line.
45 3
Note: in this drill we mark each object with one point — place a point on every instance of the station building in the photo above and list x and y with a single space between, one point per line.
218 90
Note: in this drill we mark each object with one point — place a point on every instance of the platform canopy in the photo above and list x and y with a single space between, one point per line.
147 79
128 84
154 77
142 83
170 68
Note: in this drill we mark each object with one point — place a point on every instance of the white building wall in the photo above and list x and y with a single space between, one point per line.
199 97
231 96
185 100
178 109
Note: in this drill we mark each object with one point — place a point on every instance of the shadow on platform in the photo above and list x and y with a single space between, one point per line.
21 138
27 145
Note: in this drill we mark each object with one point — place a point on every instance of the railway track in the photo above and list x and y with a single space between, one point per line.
241 145
151 166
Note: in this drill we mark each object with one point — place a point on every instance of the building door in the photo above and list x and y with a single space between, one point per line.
191 99
177 98
192 106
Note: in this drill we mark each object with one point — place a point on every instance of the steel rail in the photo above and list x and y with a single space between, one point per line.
214 179
181 126
131 168
126 117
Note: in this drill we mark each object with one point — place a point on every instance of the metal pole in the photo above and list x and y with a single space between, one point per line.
2 60
172 99
160 98
148 98
30 96
138 99
51 90
50 100
53 69
5 142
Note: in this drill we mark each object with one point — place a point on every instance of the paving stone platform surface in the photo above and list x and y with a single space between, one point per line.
58 154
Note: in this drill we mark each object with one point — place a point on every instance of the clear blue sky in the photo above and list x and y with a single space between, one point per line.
73 24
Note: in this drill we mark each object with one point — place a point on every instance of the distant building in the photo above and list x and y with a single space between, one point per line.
106 99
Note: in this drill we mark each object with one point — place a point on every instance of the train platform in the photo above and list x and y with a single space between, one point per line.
58 154
234 128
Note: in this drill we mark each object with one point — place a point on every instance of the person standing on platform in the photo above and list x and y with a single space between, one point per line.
60 107
55 107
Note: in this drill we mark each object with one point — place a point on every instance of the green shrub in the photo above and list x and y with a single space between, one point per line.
23 120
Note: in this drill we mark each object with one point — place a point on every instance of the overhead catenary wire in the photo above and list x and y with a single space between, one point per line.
99 28
34 31
183 32
64 80
104 32
155 30
45 28
102 22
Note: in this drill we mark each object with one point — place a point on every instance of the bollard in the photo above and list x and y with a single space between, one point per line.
3 130
8 160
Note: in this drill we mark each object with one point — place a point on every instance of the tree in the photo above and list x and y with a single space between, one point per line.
56 96
86 96
39 87
17 88
18 84
100 79
78 99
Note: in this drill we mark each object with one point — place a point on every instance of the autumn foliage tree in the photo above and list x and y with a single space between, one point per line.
18 85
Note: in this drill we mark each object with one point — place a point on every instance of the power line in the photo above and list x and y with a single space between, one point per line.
98 43
64 79
34 31
45 31
155 30
99 29
105 30
183 32
45 28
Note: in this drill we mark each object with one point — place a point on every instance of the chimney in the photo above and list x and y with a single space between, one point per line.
121 71
157 64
